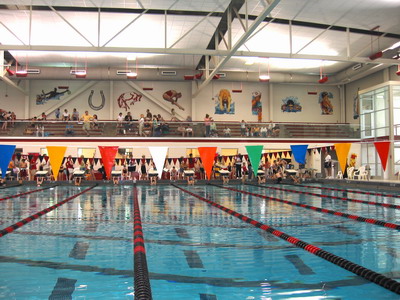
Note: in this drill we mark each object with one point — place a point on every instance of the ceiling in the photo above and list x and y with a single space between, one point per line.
296 36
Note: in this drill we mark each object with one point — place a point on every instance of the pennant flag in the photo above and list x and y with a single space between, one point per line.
148 160
122 161
169 160
309 151
255 156
96 160
207 155
91 160
342 150
299 153
74 160
108 154
383 151
159 154
6 152
18 156
118 161
56 155
80 160
138 161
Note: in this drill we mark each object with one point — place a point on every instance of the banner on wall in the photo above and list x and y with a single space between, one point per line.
159 154
256 105
224 103
342 150
383 151
324 101
108 154
299 153
207 155
254 153
56 155
6 152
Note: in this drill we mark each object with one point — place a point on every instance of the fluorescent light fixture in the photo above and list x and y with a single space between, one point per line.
131 75
394 46
21 73
264 77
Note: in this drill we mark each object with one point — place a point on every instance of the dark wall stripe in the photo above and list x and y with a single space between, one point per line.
79 251
193 259
299 265
63 289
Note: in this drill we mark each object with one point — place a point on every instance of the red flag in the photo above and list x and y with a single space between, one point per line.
383 150
108 154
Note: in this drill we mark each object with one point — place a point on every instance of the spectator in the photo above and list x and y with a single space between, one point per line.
264 131
207 123
42 117
128 122
57 113
86 118
213 128
120 119
141 125
95 122
66 115
243 128
148 114
227 131
75 115
173 115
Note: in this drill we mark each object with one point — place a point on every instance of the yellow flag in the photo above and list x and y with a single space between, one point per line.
56 155
342 150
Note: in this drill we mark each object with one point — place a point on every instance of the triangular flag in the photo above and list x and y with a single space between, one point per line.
207 155
159 154
299 153
96 160
56 155
138 161
108 154
342 150
6 153
383 151
255 156
169 160
319 150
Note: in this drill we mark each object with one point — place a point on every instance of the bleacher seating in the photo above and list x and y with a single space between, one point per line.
302 130
57 128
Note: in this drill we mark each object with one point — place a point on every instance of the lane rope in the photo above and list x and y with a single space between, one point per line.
350 191
382 280
26 193
37 215
141 272
319 209
387 205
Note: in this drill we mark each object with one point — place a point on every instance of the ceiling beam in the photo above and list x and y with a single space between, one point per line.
239 43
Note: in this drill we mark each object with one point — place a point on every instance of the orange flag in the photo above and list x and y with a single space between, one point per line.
383 151
56 155
342 150
207 157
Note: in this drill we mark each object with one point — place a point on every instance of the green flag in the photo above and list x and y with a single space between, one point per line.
254 153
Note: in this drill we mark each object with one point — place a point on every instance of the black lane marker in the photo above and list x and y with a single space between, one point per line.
299 265
319 209
91 227
79 251
29 219
63 289
213 281
27 193
182 233
387 205
207 297
193 259
346 230
380 279
350 191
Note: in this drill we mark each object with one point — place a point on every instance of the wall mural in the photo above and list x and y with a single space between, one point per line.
256 106
224 103
127 99
52 95
291 104
103 100
172 96
325 103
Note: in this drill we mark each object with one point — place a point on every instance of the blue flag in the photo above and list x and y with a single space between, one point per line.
6 153
299 153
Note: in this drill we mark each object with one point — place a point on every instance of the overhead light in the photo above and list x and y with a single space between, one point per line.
376 55
21 73
264 78
131 75
80 73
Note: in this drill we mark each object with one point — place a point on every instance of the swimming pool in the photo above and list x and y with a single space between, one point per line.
83 249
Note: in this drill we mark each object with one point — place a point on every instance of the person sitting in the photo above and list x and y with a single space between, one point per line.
181 129
94 123
213 128
75 115
66 115
227 131
69 129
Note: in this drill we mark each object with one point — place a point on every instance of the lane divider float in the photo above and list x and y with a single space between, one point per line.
29 219
387 205
141 272
319 209
380 279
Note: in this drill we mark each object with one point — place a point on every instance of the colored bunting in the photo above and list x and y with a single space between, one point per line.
207 155
383 151
6 153
342 150
159 154
56 155
254 153
108 154
299 153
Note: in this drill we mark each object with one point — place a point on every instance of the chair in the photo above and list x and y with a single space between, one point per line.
361 174
350 173
339 175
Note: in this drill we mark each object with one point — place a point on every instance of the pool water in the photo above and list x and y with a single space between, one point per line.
84 248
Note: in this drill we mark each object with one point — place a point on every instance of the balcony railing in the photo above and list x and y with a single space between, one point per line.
196 129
